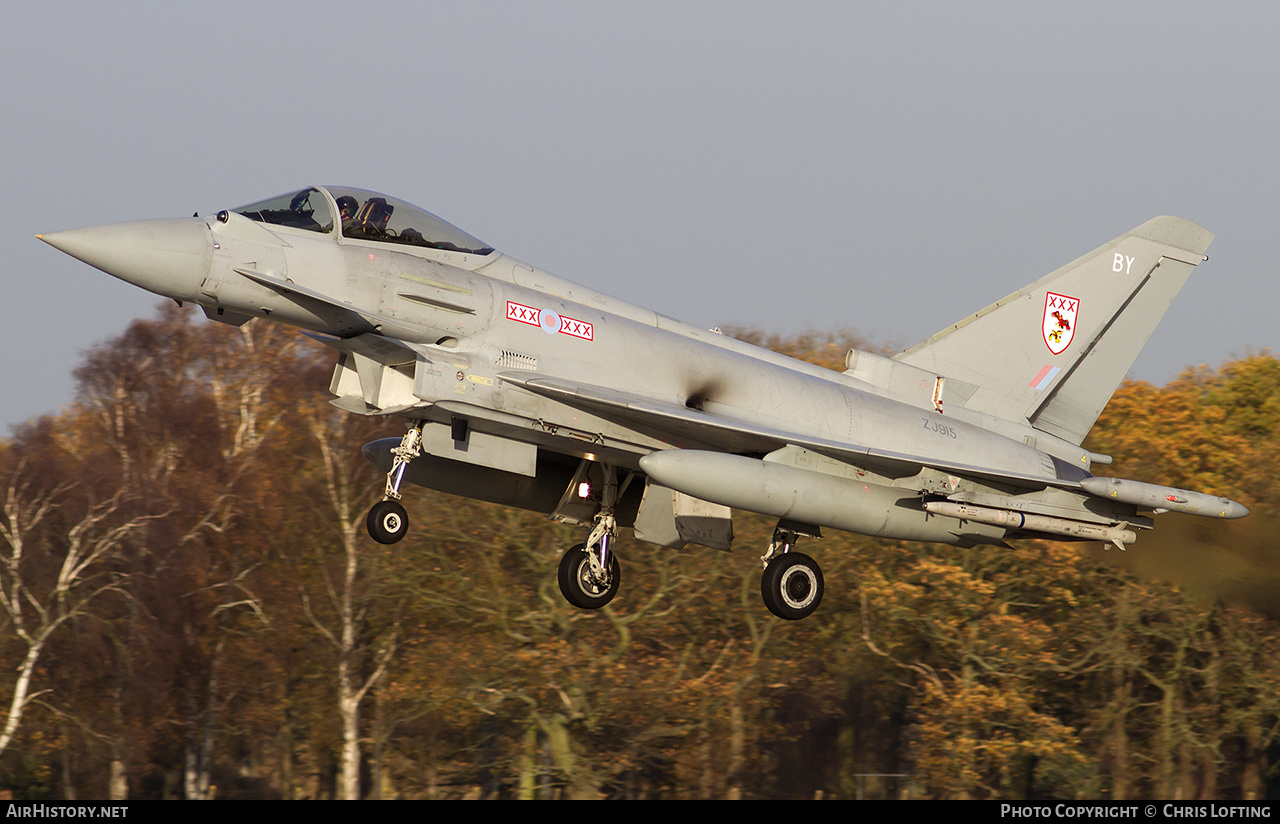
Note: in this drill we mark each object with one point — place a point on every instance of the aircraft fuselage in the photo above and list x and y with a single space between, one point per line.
512 377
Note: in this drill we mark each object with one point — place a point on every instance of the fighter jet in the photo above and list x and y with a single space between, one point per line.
525 389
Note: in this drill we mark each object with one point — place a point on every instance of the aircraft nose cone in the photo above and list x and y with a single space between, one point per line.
169 257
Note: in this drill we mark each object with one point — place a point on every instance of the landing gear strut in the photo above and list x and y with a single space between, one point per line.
791 585
388 522
589 573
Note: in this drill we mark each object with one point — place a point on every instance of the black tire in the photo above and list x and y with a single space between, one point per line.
575 580
387 522
792 586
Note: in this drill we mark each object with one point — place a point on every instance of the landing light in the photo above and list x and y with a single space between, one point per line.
584 490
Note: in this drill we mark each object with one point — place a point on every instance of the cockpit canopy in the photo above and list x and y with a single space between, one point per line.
362 215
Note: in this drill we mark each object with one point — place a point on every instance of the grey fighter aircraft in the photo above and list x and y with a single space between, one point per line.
524 389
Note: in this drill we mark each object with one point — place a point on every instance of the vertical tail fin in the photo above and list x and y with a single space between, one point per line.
1053 352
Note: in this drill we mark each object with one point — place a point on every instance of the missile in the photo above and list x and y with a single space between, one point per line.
1009 519
1154 496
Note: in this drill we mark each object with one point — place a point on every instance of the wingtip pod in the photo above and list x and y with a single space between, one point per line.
1154 496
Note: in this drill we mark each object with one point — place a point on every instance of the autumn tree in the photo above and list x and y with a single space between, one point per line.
57 561
237 634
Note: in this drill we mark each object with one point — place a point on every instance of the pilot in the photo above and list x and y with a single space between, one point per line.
347 208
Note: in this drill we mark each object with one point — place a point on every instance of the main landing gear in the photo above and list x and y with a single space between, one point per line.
589 573
387 521
791 585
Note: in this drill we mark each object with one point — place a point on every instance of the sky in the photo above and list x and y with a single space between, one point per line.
885 168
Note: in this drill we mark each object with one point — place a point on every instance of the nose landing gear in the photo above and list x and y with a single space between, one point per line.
388 522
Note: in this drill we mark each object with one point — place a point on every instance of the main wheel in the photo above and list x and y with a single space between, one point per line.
387 522
577 584
792 586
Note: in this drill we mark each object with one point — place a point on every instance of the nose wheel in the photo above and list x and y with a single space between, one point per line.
387 522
